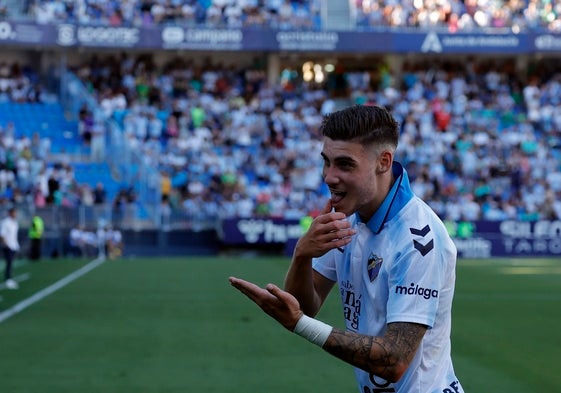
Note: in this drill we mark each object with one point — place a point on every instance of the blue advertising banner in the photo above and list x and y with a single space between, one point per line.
25 33
433 42
68 35
546 43
247 231
483 239
478 239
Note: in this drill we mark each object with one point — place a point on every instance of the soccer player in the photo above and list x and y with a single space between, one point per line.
389 255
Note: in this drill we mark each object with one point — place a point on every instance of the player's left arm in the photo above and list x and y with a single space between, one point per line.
388 356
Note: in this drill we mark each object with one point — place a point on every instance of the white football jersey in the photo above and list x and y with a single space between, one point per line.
399 267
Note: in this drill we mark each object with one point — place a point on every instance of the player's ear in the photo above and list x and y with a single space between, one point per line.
385 160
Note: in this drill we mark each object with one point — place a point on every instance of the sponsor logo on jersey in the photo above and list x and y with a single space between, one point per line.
352 306
415 289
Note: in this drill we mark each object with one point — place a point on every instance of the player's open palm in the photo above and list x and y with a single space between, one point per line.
279 304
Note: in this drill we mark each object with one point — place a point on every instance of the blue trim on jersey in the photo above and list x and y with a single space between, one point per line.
397 198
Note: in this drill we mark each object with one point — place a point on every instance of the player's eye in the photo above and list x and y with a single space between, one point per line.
345 165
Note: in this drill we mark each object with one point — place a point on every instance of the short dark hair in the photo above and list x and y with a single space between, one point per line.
367 124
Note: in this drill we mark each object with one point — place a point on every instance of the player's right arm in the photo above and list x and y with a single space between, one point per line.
328 230
388 356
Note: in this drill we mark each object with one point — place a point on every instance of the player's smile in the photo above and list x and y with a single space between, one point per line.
337 197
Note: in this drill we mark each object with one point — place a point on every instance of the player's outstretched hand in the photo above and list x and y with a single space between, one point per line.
279 304
329 230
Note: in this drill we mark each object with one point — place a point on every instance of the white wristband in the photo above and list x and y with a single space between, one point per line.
313 330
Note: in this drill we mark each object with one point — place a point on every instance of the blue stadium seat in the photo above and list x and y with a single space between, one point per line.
93 173
47 119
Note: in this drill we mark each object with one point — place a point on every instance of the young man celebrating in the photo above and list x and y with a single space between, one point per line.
390 256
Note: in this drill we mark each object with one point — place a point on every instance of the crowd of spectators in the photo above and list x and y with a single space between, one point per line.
460 15
453 15
480 140
29 175
21 84
31 179
281 14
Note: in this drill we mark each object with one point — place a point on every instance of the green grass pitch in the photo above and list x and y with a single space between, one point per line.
176 325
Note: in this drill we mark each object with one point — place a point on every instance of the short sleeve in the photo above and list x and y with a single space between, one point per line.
414 288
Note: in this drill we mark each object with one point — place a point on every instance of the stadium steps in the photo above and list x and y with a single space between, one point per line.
337 15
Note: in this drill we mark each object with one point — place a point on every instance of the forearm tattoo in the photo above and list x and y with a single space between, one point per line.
385 356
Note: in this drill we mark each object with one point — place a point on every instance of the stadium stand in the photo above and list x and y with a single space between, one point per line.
285 14
206 137
439 105
452 15
456 15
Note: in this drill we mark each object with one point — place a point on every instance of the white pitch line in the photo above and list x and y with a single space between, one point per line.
50 289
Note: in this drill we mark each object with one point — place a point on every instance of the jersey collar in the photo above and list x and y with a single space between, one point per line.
397 197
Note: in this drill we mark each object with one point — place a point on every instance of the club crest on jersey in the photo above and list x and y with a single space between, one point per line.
374 265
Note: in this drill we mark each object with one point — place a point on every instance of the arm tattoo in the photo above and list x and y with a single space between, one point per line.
385 356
